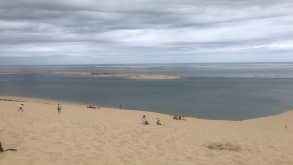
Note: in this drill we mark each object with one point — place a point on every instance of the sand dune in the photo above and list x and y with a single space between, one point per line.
112 136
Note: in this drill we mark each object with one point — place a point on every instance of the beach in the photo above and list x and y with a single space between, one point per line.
79 135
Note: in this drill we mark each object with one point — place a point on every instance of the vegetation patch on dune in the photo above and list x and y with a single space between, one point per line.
224 146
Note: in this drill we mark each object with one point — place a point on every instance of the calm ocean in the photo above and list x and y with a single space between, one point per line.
214 91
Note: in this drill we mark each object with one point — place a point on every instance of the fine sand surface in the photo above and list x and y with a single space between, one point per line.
108 136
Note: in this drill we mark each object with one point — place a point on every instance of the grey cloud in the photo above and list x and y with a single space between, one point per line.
144 28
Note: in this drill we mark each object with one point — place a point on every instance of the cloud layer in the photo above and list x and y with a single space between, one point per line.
146 30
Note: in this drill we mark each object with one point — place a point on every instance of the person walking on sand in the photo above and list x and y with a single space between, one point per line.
144 120
20 108
59 108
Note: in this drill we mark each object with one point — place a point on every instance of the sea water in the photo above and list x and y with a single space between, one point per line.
214 91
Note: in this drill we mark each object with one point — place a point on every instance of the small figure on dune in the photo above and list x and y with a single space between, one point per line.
144 120
175 117
59 108
1 148
91 107
179 117
20 108
158 121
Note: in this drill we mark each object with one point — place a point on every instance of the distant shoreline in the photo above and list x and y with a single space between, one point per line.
22 99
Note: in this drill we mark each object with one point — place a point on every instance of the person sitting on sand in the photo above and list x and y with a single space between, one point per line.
91 107
158 121
179 117
2 149
144 120
20 108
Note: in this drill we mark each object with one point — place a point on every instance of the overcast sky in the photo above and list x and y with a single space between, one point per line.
145 31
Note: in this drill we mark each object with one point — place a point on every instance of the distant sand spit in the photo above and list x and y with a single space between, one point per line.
113 136
138 76
135 76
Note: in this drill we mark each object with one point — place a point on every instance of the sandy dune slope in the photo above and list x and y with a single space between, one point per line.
113 137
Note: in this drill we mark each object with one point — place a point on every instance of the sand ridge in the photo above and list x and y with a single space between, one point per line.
133 76
114 136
